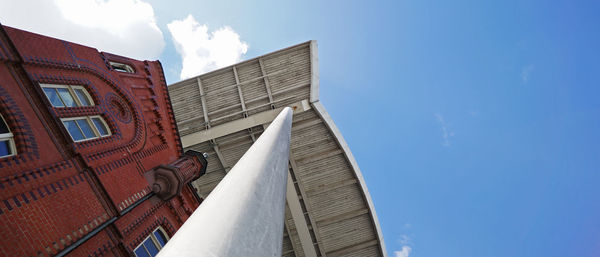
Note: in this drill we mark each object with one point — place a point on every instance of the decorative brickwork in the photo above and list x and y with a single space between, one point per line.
24 139
118 108
91 195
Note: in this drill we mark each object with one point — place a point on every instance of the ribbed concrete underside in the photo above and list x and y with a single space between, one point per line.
329 211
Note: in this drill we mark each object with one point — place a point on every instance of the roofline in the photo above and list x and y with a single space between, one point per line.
320 109
314 71
227 68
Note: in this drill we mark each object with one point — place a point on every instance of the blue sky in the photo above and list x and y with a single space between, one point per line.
475 123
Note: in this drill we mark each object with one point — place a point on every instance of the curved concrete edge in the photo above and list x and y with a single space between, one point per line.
320 109
342 142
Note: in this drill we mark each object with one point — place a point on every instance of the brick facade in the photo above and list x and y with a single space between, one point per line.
97 194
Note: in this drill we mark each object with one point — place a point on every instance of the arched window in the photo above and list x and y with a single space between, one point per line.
67 95
86 127
7 142
152 244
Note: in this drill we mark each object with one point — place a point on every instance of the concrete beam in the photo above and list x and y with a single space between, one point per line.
203 101
244 214
302 194
299 220
240 124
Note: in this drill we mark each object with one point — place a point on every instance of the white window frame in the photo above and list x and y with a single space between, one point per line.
154 240
88 119
75 96
10 138
121 67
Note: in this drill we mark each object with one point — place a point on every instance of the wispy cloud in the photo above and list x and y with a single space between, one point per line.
446 132
115 26
473 113
202 51
404 239
526 73
405 252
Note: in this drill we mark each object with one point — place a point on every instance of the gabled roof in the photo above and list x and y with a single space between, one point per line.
329 210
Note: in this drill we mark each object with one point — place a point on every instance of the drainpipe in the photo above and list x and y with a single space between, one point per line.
167 180
97 230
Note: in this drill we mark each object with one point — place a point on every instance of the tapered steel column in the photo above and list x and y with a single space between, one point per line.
244 214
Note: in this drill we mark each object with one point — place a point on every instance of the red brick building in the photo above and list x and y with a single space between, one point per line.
91 163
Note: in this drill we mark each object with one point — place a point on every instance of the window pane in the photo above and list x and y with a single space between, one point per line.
66 97
86 128
100 126
151 247
5 148
73 130
82 97
119 69
162 240
53 97
141 252
3 127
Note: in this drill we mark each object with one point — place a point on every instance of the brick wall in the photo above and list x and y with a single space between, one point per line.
55 191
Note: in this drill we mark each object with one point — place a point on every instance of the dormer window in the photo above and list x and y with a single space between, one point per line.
121 67
7 142
67 95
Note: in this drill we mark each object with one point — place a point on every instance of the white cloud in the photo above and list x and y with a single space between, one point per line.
202 51
526 73
446 133
405 252
124 27
405 241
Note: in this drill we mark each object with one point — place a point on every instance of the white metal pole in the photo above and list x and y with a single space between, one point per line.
244 214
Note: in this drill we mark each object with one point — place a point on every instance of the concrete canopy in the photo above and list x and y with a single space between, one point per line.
329 211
